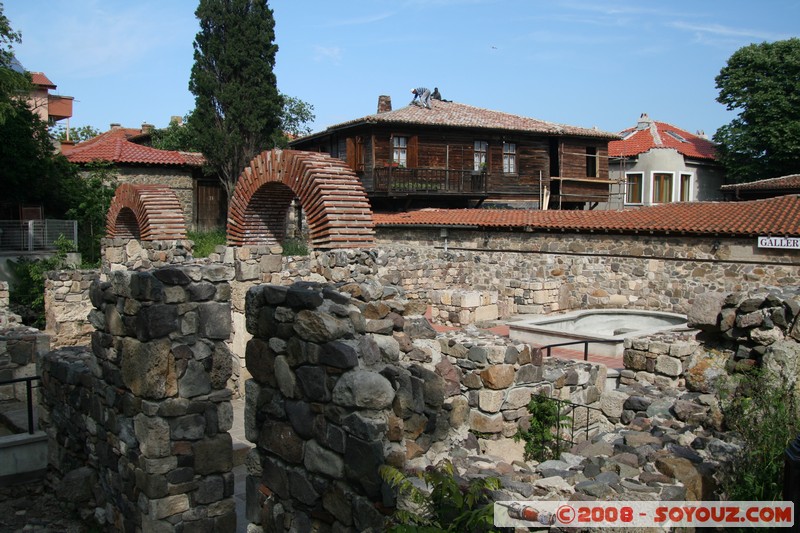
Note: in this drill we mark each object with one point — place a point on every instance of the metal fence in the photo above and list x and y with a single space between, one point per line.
35 235
28 381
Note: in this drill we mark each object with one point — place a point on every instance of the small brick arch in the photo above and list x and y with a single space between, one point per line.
145 212
334 201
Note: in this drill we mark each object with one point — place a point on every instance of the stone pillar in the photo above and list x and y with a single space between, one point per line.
321 405
154 411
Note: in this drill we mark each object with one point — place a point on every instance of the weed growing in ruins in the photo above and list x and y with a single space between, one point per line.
766 415
205 242
294 247
541 437
449 504
26 292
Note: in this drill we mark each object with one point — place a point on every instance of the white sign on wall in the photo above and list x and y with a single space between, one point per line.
779 242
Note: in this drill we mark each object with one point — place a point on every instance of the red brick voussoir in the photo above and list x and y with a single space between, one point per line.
332 197
145 212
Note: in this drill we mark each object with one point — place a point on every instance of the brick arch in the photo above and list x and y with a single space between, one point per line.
331 195
145 212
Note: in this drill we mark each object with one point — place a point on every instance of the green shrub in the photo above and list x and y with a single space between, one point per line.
542 439
295 247
26 293
449 505
205 242
766 415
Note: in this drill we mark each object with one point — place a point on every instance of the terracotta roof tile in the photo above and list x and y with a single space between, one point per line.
784 182
773 216
115 146
462 115
661 135
40 79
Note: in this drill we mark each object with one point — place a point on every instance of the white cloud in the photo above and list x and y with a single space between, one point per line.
711 31
331 54
369 19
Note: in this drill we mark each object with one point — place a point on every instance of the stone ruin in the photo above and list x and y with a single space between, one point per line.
348 376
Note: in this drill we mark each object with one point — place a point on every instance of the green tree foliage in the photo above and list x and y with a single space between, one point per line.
76 135
12 82
237 104
177 136
91 198
30 171
295 117
762 83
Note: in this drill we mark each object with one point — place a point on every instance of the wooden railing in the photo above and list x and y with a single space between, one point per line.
428 181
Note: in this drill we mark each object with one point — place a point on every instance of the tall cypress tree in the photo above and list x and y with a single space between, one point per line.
237 104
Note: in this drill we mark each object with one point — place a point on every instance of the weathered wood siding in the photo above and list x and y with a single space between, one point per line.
453 150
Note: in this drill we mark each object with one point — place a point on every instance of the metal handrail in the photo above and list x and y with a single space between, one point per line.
571 343
29 393
568 409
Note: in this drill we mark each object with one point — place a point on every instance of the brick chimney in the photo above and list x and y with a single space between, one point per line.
147 128
384 103
115 126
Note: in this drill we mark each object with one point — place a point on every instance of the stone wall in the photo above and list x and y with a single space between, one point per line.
742 330
131 254
8 319
67 306
347 378
583 270
21 348
138 427
460 307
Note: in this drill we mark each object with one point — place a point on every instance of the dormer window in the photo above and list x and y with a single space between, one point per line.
677 136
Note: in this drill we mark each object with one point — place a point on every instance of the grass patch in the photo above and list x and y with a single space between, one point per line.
205 242
295 247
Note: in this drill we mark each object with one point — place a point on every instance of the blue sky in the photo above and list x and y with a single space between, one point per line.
579 62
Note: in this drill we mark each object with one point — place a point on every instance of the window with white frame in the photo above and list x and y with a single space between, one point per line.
400 151
634 187
479 155
509 158
686 188
662 187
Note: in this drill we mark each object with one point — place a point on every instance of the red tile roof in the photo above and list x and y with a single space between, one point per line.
782 183
115 146
453 114
40 79
773 216
650 134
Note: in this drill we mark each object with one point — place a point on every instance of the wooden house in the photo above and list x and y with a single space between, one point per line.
457 155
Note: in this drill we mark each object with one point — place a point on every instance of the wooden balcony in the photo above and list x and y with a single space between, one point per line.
391 181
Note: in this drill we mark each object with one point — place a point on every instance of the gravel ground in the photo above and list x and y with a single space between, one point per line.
30 507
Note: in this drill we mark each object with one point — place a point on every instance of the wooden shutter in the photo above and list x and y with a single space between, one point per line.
413 152
351 153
